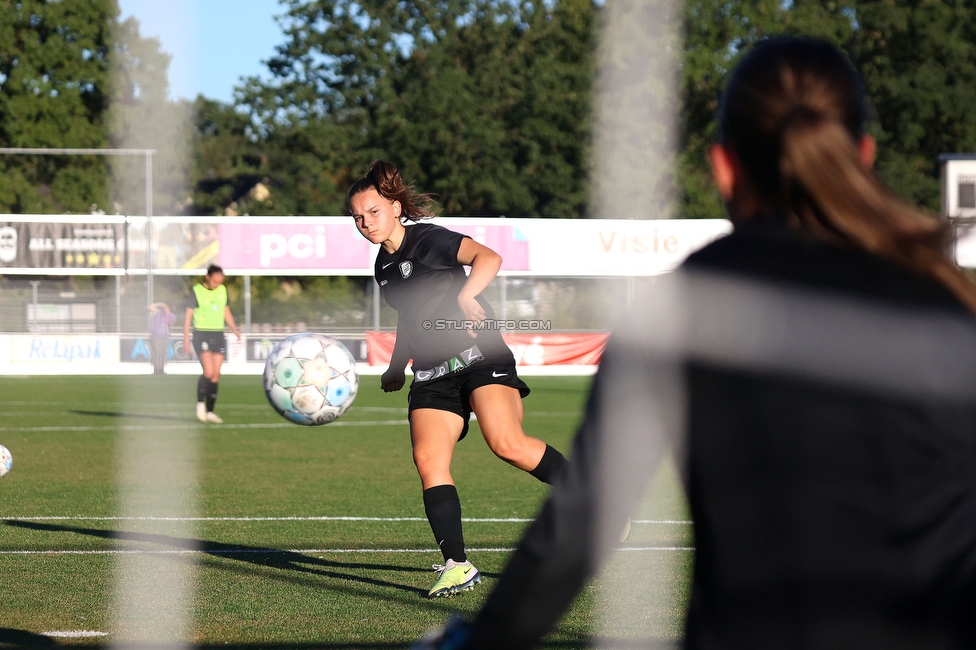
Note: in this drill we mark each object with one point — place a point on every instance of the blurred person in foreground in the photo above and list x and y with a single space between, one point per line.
207 313
814 373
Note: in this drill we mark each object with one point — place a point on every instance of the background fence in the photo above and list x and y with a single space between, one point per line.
109 304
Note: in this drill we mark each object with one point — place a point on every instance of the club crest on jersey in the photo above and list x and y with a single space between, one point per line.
406 268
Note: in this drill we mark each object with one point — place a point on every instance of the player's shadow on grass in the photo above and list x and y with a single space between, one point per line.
10 638
264 557
134 416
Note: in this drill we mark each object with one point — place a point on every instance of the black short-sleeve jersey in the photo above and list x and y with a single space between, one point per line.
422 281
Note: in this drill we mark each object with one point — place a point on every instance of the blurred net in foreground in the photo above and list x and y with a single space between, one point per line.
157 471
636 119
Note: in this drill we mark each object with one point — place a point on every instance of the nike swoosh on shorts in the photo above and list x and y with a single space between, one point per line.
495 374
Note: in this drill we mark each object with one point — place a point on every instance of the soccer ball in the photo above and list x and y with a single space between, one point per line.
6 460
310 378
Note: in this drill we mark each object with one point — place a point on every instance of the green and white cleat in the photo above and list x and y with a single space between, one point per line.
455 577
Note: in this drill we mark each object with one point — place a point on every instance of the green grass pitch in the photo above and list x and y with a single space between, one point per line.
288 580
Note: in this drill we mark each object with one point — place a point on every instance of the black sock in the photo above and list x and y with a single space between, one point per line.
443 508
211 395
203 384
549 467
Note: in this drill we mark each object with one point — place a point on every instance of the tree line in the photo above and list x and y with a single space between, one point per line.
488 104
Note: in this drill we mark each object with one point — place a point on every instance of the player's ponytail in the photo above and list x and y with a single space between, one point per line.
793 113
384 177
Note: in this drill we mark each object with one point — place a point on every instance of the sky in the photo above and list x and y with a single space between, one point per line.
213 42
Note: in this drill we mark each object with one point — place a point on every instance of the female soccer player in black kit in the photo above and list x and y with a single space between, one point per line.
829 436
460 366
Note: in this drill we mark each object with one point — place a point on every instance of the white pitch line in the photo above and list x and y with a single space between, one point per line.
92 404
247 519
233 551
249 425
168 407
301 551
183 425
498 520
74 634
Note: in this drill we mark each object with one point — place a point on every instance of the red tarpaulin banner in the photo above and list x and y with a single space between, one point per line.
529 349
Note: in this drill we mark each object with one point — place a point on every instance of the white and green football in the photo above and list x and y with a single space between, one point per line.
310 379
6 460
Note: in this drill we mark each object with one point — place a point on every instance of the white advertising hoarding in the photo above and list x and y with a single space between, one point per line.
64 349
333 246
530 247
611 247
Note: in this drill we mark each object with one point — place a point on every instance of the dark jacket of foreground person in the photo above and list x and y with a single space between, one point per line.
827 514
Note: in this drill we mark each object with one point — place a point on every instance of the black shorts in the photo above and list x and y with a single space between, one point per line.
209 341
452 392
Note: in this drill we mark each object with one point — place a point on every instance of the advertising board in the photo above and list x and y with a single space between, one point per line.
70 246
333 246
252 348
66 349
138 349
260 346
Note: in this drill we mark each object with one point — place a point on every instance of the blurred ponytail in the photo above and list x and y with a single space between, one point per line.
384 177
793 112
